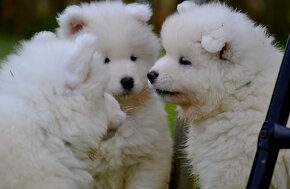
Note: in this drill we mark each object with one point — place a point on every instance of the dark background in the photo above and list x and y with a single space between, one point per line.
22 18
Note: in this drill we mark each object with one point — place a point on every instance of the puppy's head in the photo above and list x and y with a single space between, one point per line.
124 37
211 51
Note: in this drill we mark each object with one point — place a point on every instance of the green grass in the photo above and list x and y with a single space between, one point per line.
171 115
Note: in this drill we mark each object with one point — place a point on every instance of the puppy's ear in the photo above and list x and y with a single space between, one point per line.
186 6
71 20
217 42
78 65
142 12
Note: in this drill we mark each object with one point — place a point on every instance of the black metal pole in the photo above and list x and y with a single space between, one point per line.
273 136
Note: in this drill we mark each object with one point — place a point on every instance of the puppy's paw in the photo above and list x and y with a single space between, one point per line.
117 121
86 42
80 62
44 36
116 116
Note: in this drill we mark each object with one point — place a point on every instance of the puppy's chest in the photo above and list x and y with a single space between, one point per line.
224 138
124 147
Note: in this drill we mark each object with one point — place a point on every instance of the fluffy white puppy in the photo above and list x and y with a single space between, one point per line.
138 154
52 113
220 69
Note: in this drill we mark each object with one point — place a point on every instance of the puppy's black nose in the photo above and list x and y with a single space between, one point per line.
152 76
127 83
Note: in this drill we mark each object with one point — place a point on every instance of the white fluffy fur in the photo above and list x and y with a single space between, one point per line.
224 93
52 115
138 154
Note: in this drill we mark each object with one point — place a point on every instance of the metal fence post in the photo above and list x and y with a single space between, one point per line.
274 134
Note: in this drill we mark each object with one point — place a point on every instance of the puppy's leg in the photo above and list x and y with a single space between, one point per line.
115 115
78 64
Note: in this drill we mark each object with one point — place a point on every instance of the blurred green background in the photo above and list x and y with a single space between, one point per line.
20 19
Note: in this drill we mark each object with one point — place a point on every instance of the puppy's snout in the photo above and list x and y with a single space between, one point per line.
127 83
152 76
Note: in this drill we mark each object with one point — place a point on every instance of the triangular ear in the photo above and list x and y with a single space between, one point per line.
142 12
78 65
71 20
186 6
217 41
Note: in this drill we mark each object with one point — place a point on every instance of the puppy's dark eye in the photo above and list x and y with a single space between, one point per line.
106 60
133 58
183 61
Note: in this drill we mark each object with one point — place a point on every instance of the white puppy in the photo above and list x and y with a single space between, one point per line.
220 69
138 154
52 113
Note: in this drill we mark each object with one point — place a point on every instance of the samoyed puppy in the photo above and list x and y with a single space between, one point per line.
138 154
220 69
52 113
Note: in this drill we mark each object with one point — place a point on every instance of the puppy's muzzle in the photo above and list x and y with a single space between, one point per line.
152 76
127 83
